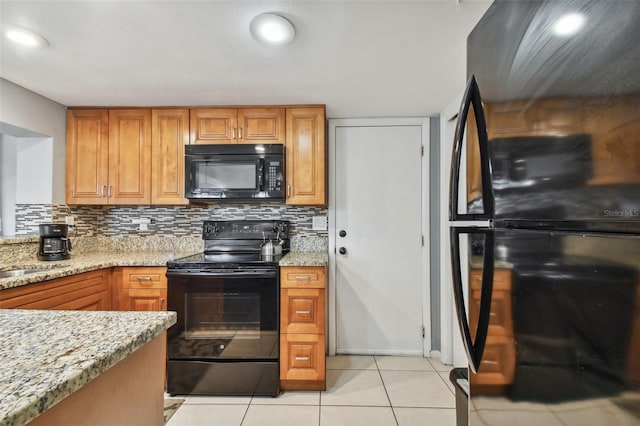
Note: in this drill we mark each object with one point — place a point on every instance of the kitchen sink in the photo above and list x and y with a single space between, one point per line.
20 272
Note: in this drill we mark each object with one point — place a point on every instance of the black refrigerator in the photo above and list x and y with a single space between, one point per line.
545 216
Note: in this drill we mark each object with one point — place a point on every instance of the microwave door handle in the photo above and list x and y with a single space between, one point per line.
261 175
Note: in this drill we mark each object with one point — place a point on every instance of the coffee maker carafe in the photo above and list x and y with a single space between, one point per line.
54 244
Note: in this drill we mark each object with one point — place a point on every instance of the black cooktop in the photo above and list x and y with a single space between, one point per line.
236 244
223 260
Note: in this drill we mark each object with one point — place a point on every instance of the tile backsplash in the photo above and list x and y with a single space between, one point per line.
183 221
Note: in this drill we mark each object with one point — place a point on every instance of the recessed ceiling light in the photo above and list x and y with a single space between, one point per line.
272 29
568 24
25 37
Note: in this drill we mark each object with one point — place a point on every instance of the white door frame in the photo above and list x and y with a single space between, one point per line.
451 349
334 124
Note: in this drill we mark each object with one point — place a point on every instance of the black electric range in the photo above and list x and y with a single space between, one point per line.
226 338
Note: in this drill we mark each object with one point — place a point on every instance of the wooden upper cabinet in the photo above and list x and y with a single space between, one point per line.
129 156
87 156
169 135
237 125
261 125
213 125
306 156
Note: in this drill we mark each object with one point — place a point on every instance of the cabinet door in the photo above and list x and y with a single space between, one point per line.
261 125
147 299
87 156
305 156
213 125
169 135
129 156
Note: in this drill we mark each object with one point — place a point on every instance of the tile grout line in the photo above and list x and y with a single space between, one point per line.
385 391
244 416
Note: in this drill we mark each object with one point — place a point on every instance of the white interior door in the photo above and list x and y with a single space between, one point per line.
378 208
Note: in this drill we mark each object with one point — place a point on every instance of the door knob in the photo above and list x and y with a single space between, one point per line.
342 250
343 233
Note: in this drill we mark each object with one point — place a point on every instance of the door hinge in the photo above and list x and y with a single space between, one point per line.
423 331
421 150
422 240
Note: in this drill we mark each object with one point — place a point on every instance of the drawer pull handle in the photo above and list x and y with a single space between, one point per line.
144 279
302 358
492 314
303 312
489 362
303 278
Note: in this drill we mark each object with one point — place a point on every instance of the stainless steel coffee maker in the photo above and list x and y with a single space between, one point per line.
54 244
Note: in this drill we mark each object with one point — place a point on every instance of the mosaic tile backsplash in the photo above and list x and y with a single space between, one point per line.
185 221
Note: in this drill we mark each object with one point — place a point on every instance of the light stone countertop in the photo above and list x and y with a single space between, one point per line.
47 355
85 262
79 263
305 258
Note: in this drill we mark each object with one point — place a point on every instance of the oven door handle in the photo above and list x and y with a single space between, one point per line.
190 273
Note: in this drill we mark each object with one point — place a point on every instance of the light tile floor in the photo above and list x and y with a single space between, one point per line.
361 390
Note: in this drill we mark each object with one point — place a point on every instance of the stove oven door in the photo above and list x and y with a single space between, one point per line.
223 315
225 340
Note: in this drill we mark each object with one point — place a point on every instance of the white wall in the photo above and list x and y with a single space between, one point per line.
8 175
24 109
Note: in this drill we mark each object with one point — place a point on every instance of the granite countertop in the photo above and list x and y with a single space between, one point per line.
305 258
47 355
85 262
79 263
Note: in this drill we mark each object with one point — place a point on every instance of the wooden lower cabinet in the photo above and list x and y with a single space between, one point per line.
140 288
497 368
302 328
89 291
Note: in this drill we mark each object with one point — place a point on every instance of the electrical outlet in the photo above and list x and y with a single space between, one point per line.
319 223
69 220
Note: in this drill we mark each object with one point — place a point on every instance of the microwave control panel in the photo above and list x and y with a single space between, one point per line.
274 177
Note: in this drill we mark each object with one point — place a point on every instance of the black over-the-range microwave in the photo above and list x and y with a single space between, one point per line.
240 172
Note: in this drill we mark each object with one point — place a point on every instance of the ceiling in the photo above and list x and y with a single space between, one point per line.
360 58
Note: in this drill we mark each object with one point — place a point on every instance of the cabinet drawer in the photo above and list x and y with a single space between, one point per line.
144 277
500 317
302 311
61 293
501 279
498 362
302 357
302 277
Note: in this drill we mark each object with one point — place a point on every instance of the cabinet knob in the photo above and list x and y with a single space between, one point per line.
343 233
342 250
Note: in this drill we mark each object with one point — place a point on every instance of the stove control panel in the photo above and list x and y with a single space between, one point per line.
245 229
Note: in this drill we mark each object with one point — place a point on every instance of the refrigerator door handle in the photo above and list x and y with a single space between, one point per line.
471 97
474 348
